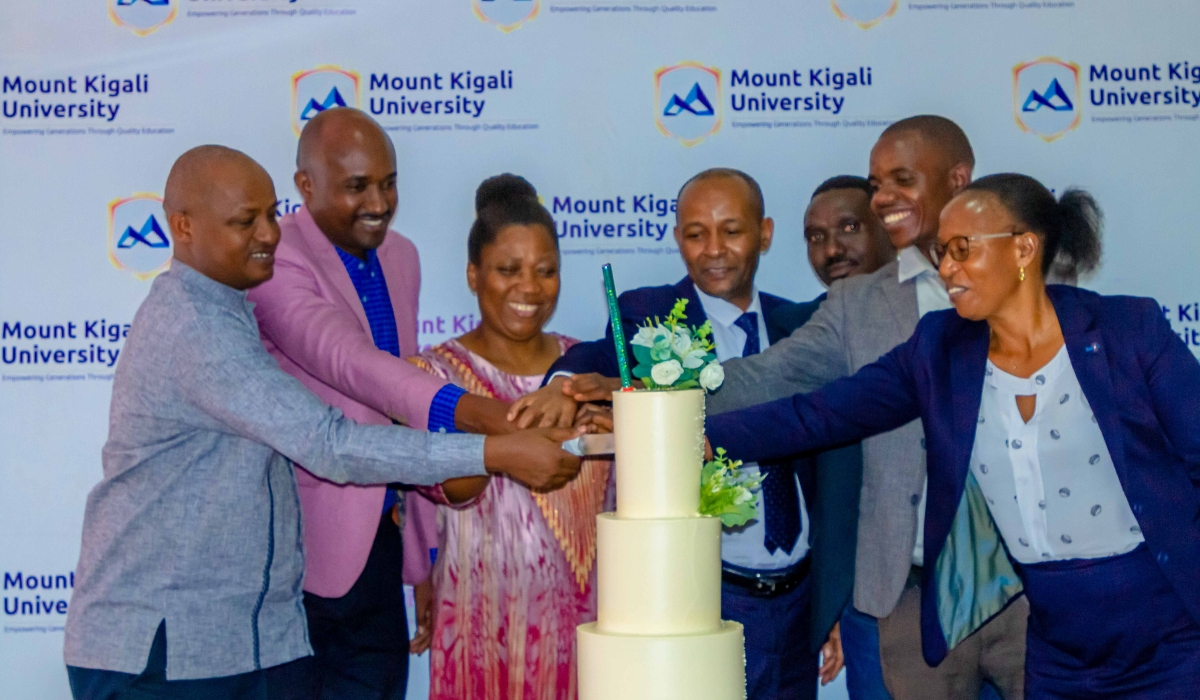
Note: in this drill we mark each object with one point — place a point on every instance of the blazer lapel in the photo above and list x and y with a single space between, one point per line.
968 363
901 299
1089 359
329 263
694 314
769 303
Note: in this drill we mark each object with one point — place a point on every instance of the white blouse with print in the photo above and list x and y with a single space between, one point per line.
1050 483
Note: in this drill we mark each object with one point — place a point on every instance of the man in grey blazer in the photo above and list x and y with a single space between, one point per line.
917 166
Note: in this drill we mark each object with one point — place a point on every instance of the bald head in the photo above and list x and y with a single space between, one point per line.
336 130
220 205
199 170
346 172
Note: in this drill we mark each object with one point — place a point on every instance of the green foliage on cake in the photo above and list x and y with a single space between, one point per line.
673 355
727 493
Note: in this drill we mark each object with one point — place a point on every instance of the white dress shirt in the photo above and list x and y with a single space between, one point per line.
743 546
1049 483
931 296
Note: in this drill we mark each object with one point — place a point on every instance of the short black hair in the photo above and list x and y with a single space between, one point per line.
501 201
844 182
940 131
756 195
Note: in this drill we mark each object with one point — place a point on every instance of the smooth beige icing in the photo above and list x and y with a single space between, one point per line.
660 576
660 451
670 667
658 634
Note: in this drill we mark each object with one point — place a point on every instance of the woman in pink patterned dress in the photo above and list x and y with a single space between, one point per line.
514 574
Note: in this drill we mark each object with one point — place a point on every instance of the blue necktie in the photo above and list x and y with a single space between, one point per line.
781 499
749 323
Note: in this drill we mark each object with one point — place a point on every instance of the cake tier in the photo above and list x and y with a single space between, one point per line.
660 576
708 666
660 451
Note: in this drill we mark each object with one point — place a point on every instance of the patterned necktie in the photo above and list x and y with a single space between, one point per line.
749 323
781 499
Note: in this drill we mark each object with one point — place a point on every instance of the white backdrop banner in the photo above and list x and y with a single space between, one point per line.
606 106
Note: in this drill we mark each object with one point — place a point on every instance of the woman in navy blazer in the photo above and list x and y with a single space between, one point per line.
1124 622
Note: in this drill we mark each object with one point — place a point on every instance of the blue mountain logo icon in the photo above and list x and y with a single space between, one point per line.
695 97
151 235
156 3
1047 99
333 99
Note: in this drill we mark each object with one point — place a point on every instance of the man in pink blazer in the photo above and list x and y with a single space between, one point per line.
340 315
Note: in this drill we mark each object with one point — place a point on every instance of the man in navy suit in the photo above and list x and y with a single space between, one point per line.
721 231
845 239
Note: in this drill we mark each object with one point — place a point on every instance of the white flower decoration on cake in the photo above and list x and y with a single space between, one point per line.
712 376
665 373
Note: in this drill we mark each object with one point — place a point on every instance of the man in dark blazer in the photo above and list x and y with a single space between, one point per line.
721 231
845 239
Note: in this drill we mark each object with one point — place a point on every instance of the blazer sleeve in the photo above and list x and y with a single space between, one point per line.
1173 378
881 396
599 356
329 344
812 356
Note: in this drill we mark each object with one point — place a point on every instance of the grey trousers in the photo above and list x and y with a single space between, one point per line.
995 653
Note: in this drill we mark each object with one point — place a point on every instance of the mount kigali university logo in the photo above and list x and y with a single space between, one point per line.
138 238
865 13
507 15
1047 97
142 17
322 88
687 101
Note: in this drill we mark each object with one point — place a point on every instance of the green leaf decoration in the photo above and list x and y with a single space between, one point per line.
726 492
664 334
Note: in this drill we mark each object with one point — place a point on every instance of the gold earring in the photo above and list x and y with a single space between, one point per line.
1022 276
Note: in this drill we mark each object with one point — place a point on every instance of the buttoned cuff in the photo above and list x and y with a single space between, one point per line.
442 408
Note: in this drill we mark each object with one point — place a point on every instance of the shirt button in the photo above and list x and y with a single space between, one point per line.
364 299
1163 558
1136 508
1016 444
916 498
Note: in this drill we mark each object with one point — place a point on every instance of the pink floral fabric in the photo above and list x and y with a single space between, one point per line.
515 570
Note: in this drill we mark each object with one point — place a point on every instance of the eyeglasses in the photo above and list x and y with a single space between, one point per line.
959 247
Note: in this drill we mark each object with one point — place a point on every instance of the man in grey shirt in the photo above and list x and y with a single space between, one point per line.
191 563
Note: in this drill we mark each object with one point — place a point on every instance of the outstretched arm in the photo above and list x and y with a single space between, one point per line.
812 356
881 396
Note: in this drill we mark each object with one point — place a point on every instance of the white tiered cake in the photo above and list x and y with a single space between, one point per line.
658 633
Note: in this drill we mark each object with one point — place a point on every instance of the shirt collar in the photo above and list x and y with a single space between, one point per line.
1034 383
353 263
913 263
208 287
723 312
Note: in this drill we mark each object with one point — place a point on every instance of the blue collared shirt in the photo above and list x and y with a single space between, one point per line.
371 287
